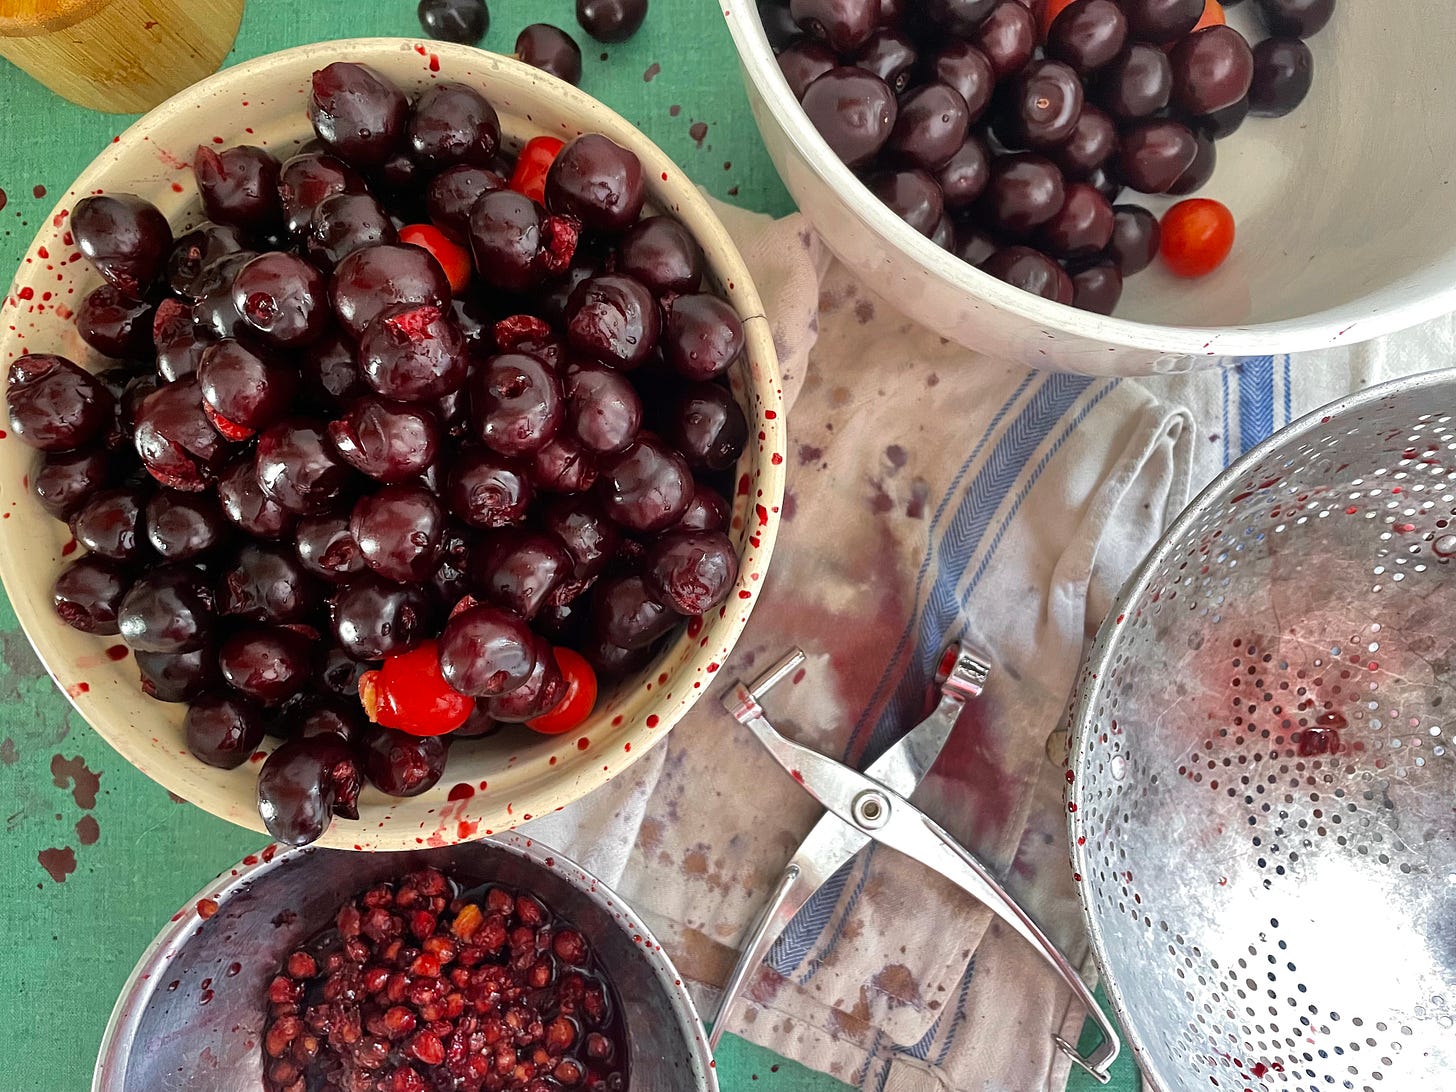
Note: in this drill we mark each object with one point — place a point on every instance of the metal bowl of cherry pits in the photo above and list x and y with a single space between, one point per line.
1266 179
399 463
498 965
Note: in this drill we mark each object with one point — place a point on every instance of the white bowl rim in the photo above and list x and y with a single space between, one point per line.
1315 331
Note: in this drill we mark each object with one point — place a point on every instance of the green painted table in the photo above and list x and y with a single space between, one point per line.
89 882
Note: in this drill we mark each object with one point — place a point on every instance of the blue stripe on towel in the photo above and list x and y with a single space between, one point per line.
1256 401
798 939
1288 392
963 538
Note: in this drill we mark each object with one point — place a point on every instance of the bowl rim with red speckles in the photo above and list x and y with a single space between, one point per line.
262 102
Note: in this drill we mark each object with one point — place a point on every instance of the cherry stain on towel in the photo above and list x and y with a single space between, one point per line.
65 771
699 132
88 830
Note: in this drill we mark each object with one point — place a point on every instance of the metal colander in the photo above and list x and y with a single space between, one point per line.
1263 786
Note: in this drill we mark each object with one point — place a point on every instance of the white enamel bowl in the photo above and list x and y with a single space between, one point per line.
1346 215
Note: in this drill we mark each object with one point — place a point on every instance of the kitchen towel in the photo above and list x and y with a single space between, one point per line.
933 494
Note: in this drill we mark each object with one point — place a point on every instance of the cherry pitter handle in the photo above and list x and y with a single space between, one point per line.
880 813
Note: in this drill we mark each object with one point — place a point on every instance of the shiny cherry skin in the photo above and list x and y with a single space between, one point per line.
890 55
376 278
247 386
303 784
563 465
169 609
845 25
1136 84
661 253
246 505
1081 228
451 194
1154 155
1093 141
1097 288
709 510
461 21
87 595
603 410
520 569
1024 190
958 17
114 324
181 526
388 441
964 177
1295 18
1008 38
298 468
542 692
413 353
690 571
223 730
614 319
179 344
124 237
1226 122
486 651
552 50
358 113
306 180
598 182
703 336
580 524
1088 34
453 124
966 70
401 764
931 125
611 20
626 614
1283 73
267 663
65 480
505 234
176 441
266 582
56 405
516 404
239 186
1162 21
1135 239
194 252
399 531
326 547
1212 70
373 618
110 524
1031 271
178 677
707 426
344 223
487 490
646 488
1047 100
855 112
1198 173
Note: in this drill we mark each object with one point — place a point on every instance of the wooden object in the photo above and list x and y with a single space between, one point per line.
118 56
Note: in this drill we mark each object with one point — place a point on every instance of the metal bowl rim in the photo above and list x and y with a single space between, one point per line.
121 1025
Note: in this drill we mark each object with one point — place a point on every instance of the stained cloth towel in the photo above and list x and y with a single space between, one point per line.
933 493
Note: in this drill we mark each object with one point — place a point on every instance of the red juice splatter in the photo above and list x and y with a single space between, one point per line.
39 191
60 863
461 791
68 771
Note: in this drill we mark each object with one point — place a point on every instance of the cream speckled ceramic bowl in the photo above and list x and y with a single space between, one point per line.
490 785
